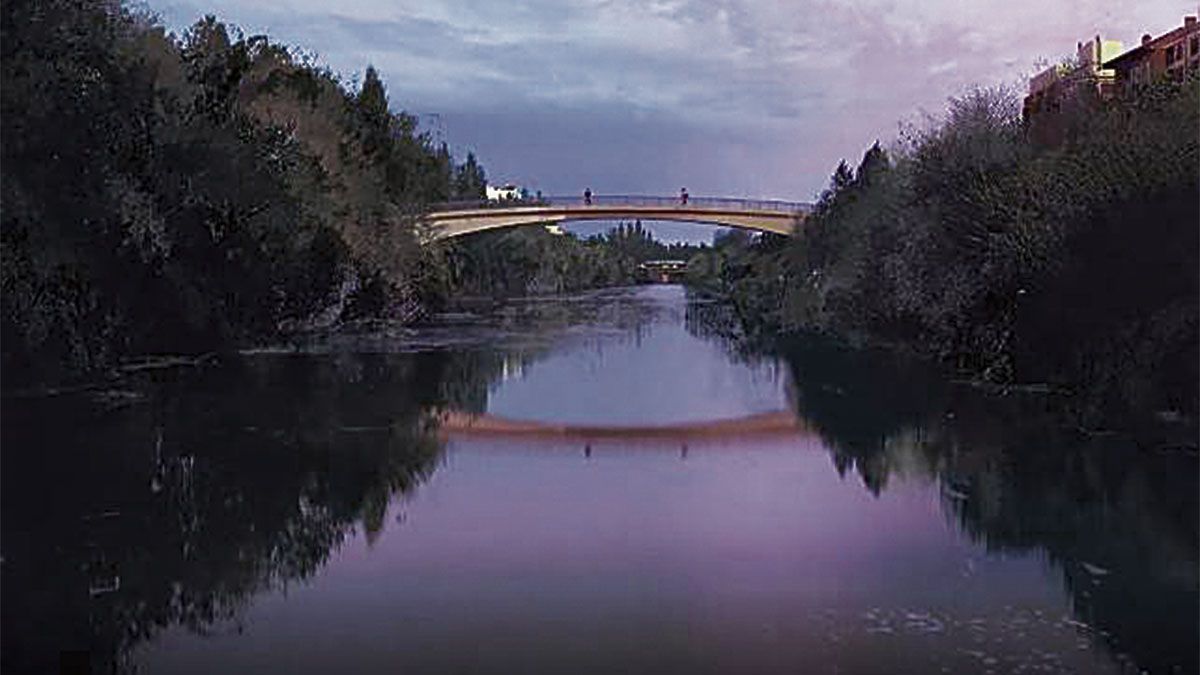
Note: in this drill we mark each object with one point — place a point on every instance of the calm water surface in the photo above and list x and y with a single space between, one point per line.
597 483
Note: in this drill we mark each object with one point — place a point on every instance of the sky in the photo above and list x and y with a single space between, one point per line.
726 97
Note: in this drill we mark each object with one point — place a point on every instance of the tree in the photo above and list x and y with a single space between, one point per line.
470 181
373 103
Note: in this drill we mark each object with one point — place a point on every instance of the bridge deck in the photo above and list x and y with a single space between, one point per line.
568 201
459 218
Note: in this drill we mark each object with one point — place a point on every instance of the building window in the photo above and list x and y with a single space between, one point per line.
1195 45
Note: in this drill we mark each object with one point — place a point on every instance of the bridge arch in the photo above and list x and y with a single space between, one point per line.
455 220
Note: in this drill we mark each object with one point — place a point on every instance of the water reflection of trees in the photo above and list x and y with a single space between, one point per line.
211 487
224 483
716 321
1118 521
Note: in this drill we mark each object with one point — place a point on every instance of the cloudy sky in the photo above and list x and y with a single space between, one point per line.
726 97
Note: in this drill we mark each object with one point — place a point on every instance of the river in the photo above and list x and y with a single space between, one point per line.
597 483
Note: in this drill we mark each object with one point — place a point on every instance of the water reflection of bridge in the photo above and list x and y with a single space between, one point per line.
779 424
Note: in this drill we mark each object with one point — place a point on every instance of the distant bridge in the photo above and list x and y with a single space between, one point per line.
663 270
455 219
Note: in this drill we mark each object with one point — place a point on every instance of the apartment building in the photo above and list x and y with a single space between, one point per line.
1169 55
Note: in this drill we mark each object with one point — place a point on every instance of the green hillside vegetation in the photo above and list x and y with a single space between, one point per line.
166 193
1073 267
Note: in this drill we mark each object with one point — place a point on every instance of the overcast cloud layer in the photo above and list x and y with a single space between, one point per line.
755 99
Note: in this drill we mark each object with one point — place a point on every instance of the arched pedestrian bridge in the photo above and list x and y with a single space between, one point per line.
456 219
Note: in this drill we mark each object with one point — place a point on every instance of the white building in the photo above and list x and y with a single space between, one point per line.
503 193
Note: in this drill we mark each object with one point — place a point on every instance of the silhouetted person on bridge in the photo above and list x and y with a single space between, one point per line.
587 196
683 196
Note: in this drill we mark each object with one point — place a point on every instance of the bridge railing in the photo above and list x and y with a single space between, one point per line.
570 201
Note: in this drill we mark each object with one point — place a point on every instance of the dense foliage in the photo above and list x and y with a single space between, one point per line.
1012 262
183 193
534 261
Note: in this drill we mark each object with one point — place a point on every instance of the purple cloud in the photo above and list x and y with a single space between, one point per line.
729 98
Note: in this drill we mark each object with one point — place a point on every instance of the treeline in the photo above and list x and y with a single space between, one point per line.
165 193
532 260
638 243
1073 266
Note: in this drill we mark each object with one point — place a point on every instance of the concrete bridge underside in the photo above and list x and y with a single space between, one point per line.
449 224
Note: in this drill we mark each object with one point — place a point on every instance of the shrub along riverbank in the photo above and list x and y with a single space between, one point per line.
1073 267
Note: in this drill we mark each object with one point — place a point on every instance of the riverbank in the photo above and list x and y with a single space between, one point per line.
1073 410
200 192
1011 265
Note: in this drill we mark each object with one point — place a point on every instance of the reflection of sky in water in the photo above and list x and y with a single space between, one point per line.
750 553
755 558
656 373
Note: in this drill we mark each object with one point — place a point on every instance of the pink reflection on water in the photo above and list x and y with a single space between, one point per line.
743 556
